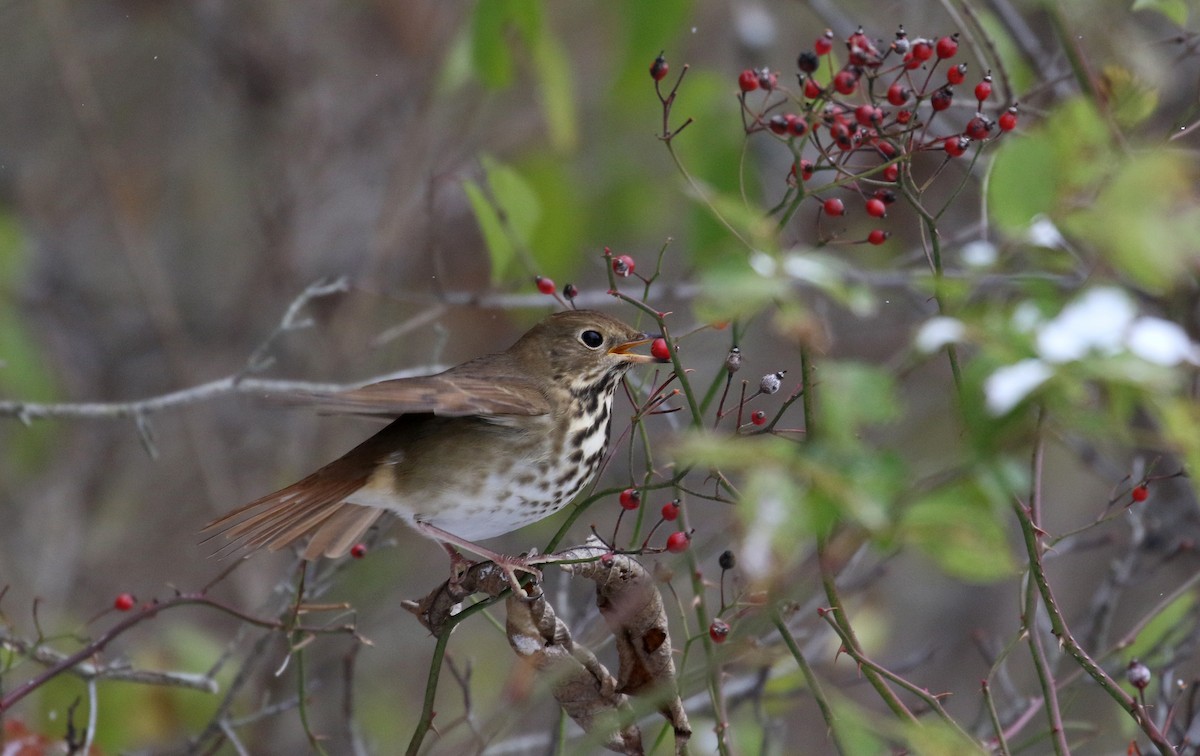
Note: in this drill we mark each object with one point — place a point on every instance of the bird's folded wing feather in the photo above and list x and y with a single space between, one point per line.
467 389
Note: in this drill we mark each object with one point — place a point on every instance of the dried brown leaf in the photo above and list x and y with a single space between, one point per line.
630 603
583 687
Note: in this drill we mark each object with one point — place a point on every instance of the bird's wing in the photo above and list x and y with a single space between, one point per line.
487 386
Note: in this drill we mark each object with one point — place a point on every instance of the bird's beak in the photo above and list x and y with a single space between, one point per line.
622 350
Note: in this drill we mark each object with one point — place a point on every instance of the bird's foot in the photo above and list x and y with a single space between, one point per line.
511 565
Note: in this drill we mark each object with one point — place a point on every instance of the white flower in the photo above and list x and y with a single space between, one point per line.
979 254
763 264
810 268
1005 388
1095 322
1026 317
1161 342
1043 233
936 333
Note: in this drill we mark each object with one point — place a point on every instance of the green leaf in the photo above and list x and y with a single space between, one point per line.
857 731
500 248
1130 100
1175 10
507 213
490 54
552 67
1051 170
737 294
1146 219
1170 626
1021 183
852 396
934 737
958 528
562 230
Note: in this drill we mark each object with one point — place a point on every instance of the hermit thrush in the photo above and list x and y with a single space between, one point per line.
476 451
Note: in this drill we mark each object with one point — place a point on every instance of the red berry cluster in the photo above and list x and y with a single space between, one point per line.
864 121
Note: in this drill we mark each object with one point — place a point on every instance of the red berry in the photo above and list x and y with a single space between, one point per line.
748 81
956 145
834 206
846 81
630 499
812 90
947 47
983 89
124 602
778 124
797 126
862 50
956 74
806 170
659 68
1141 493
758 417
892 172
670 510
886 195
1008 121
824 43
942 98
903 117
841 135
659 349
922 51
886 148
868 115
876 208
978 128
623 265
766 79
678 541
877 236
570 291
544 285
718 630
897 94
358 550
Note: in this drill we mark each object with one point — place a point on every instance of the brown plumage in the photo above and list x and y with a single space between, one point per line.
473 452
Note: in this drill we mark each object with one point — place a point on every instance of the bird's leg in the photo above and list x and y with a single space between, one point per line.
459 564
509 565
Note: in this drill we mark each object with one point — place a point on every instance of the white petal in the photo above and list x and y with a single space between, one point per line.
1161 342
936 333
979 254
1005 388
1095 322
763 264
810 268
1026 317
1043 233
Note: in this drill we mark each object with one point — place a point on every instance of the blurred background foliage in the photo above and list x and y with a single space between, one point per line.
172 175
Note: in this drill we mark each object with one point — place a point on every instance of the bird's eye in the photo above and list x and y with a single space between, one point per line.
591 339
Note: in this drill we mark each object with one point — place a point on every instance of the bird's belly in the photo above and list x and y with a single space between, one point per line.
474 498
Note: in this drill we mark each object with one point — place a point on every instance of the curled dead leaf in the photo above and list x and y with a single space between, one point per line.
583 687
